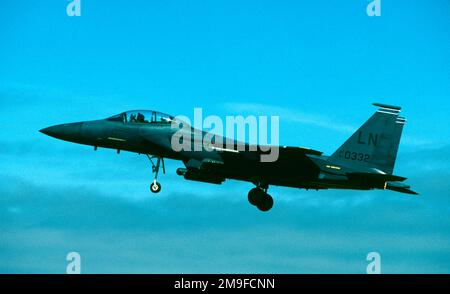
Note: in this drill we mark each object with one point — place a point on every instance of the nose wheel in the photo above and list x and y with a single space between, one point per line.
260 198
155 186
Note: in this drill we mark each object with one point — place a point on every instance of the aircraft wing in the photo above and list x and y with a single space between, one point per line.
284 152
298 151
291 162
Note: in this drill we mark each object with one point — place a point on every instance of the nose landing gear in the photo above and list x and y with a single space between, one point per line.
155 187
258 197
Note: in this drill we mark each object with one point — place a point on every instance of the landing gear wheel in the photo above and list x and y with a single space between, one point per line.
155 187
254 195
265 203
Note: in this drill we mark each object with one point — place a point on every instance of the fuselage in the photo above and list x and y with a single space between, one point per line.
155 138
152 133
365 161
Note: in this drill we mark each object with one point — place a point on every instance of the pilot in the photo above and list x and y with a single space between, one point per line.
132 117
140 117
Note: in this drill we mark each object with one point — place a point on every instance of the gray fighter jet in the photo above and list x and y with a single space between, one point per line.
365 161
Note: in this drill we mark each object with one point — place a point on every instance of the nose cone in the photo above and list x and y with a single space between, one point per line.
48 131
68 132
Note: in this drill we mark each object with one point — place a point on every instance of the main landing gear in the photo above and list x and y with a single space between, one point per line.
155 187
258 197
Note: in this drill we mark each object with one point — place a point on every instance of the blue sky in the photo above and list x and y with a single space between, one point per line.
317 65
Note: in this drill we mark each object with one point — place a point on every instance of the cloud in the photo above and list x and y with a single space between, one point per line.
311 119
101 207
290 115
183 232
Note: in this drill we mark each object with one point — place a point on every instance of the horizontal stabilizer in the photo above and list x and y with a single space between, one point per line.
371 177
400 187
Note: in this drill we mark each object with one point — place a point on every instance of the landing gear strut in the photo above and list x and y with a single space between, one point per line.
155 187
258 197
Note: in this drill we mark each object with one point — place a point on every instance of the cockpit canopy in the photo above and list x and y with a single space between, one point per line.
142 116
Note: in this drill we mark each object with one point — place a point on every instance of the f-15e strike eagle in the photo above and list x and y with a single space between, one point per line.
364 162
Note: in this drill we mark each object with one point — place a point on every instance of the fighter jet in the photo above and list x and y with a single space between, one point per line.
364 162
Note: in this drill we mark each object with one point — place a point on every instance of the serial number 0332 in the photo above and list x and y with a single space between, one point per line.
351 155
